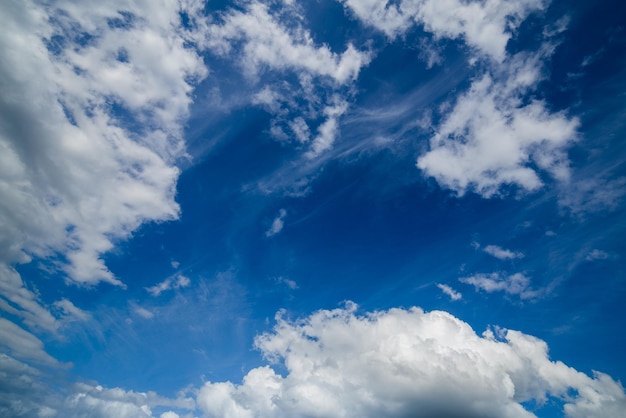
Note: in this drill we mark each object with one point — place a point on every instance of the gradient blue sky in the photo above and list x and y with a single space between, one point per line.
312 209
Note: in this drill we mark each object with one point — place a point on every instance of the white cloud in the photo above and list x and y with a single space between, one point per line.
501 253
277 224
178 281
454 295
491 138
515 284
485 26
265 42
77 173
400 363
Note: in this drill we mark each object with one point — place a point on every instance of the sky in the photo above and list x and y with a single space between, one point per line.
331 208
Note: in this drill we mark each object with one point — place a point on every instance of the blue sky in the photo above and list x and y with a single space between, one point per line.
312 209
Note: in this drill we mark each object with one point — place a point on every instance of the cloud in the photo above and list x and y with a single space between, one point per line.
263 41
178 281
485 26
492 138
277 224
501 253
454 295
515 284
92 117
400 363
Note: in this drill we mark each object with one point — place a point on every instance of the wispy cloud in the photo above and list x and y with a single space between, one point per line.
178 281
502 253
454 295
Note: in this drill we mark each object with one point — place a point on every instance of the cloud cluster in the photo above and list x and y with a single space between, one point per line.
401 363
494 134
303 84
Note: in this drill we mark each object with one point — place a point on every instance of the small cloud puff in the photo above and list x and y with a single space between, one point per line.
501 253
277 224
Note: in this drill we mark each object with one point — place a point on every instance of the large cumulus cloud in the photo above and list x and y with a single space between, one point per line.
401 363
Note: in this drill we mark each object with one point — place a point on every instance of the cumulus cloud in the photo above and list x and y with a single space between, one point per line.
454 295
515 284
502 253
277 224
492 138
178 281
400 363
485 26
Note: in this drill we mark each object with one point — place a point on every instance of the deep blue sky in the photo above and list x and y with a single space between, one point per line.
173 175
